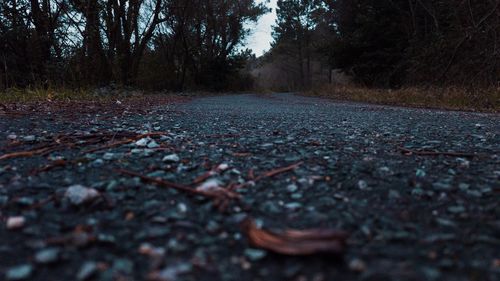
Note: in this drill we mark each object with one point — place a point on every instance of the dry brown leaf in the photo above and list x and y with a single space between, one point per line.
297 242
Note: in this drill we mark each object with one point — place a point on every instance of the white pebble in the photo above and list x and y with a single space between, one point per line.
171 158
78 194
15 222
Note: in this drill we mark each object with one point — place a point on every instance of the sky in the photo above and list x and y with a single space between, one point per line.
260 39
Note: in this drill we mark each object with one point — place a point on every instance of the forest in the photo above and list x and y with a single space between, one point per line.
180 45
250 140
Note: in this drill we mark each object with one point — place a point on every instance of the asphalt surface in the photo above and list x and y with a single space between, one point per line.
429 215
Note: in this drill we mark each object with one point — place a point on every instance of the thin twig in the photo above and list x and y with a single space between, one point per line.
275 172
221 196
25 153
160 182
48 167
438 153
111 145
71 141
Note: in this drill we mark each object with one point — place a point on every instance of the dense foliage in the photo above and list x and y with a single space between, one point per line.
197 44
398 42
168 44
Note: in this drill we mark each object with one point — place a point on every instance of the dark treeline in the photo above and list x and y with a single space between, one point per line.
156 44
389 43
197 44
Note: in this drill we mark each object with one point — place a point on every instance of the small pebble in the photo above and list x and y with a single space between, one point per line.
153 144
292 188
97 163
362 185
456 209
47 256
210 185
87 270
12 137
108 156
29 138
4 200
394 194
420 173
255 254
357 265
222 167
21 272
293 205
142 142
15 223
78 194
171 158
182 208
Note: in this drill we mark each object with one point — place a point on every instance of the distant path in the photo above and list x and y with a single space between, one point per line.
418 191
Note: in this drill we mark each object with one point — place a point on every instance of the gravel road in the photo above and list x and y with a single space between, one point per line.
417 190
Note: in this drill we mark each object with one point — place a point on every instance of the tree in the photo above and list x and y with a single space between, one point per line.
292 34
31 34
415 42
86 43
200 40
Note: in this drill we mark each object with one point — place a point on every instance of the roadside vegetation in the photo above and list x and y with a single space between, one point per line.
451 98
411 53
171 45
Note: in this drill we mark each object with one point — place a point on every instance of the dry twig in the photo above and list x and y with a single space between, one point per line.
437 153
221 196
275 172
70 141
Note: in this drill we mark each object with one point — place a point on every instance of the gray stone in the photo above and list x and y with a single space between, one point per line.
98 163
270 207
255 254
108 156
47 256
78 194
445 222
142 142
171 158
125 266
172 272
153 144
417 192
21 272
87 270
29 138
363 185
420 173
4 200
293 205
463 186
292 188
456 209
394 194
25 201
442 186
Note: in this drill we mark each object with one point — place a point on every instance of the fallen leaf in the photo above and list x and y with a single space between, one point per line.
296 242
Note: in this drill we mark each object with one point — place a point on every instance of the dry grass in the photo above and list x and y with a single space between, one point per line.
71 102
16 95
481 100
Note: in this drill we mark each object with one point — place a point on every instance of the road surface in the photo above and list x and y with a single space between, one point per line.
417 190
